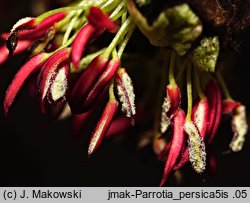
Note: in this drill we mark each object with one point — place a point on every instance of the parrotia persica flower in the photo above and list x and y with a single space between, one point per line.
175 97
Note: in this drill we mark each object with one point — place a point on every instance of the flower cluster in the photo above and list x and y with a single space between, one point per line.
54 61
71 71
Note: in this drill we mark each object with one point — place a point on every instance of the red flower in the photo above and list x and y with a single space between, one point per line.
228 106
176 144
31 29
200 115
21 47
170 106
102 126
54 70
86 82
30 67
98 22
215 105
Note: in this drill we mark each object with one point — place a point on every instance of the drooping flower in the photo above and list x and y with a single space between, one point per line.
176 144
101 84
92 83
30 67
52 79
102 126
31 29
200 113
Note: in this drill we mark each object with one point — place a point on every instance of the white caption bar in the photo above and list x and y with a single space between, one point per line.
124 194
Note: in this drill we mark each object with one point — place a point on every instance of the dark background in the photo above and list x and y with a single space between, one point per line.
35 153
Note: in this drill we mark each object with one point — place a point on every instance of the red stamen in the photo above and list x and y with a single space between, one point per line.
21 77
176 145
102 126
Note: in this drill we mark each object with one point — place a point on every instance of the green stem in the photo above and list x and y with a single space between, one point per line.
181 70
111 91
171 69
87 59
52 12
110 5
223 86
117 10
72 13
124 17
69 29
66 44
198 84
119 14
125 41
189 92
115 54
120 34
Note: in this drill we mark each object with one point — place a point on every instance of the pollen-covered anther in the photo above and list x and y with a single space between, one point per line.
165 120
27 23
126 94
24 23
196 145
102 126
240 128
200 116
170 106
59 85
